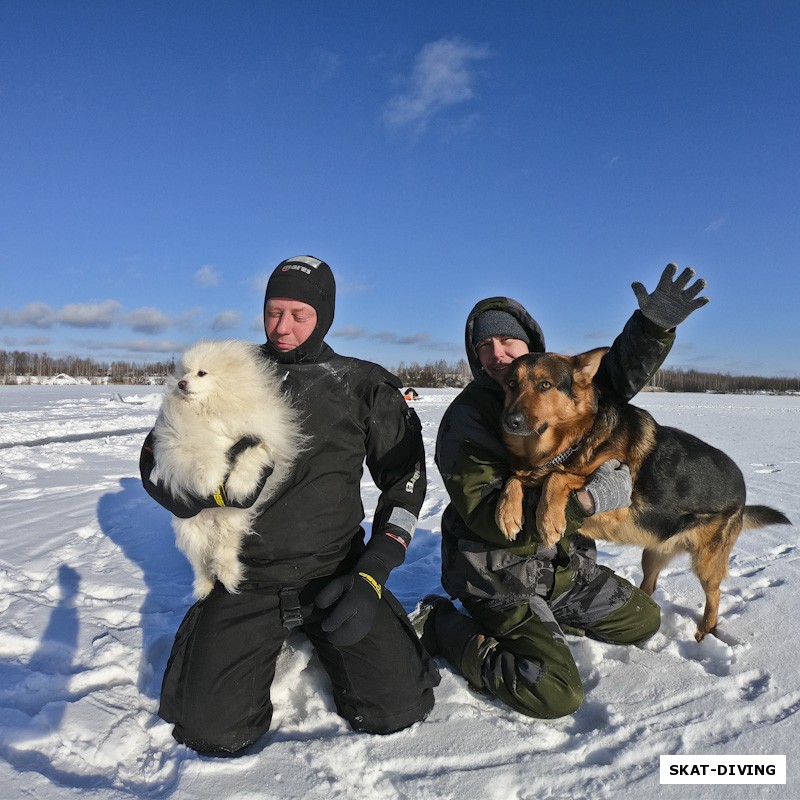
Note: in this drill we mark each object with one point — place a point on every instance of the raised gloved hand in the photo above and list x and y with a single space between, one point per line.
671 302
189 505
610 486
355 596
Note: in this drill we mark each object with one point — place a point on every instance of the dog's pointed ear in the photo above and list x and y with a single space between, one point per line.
586 364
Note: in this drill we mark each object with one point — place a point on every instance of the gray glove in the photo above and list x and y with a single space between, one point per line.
610 486
670 303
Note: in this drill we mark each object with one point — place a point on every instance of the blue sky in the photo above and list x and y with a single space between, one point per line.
157 160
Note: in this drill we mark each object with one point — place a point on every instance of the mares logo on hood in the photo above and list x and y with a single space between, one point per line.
289 267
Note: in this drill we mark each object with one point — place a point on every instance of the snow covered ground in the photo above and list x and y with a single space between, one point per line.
92 589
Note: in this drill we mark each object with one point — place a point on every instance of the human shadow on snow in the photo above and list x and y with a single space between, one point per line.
36 694
143 531
44 680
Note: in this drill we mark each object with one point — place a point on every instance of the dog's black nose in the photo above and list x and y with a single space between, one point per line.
182 385
514 422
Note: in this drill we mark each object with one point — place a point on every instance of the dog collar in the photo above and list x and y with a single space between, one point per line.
562 457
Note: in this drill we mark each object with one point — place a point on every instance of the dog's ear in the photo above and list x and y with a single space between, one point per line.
585 365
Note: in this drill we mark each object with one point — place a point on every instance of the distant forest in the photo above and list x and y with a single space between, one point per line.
442 374
18 366
22 367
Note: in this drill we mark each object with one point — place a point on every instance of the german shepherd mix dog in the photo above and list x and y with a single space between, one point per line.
687 496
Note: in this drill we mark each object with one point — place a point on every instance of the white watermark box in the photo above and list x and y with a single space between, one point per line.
723 769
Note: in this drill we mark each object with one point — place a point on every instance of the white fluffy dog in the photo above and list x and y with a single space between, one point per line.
223 392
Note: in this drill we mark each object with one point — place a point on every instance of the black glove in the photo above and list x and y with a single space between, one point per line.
670 303
357 594
189 505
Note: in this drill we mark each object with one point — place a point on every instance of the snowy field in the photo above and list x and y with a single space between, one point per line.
93 589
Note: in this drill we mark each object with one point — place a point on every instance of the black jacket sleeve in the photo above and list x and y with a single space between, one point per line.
396 461
634 357
156 490
190 505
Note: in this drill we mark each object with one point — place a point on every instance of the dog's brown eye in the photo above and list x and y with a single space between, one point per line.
512 384
545 385
201 374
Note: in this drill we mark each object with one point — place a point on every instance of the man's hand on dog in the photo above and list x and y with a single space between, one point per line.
610 487
671 301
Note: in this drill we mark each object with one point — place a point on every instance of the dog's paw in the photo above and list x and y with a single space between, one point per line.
508 515
703 629
247 472
551 527
230 580
509 519
228 569
230 587
202 586
205 471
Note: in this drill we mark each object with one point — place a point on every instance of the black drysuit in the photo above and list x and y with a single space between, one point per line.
216 688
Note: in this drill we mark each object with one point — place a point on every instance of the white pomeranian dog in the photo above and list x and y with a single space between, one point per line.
223 392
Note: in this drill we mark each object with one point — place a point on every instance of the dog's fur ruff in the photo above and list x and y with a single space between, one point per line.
221 392
687 495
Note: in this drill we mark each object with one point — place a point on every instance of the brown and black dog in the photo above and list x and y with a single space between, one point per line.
687 496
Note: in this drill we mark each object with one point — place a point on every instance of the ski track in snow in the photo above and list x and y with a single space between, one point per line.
92 590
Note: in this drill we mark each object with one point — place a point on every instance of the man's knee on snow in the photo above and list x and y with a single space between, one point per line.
209 747
384 722
543 692
633 623
649 617
209 739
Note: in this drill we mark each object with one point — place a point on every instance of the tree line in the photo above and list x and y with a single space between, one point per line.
18 365
441 374
434 375
678 380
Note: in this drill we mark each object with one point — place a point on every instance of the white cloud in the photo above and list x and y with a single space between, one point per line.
349 332
133 346
716 225
226 320
344 286
28 341
147 320
207 277
34 315
421 339
325 64
258 282
185 321
443 76
89 315
387 337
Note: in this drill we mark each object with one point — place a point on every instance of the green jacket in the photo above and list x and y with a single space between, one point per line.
477 560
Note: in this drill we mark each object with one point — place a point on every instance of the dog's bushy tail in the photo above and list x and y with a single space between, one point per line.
761 516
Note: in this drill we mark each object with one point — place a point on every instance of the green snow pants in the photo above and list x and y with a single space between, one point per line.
531 669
